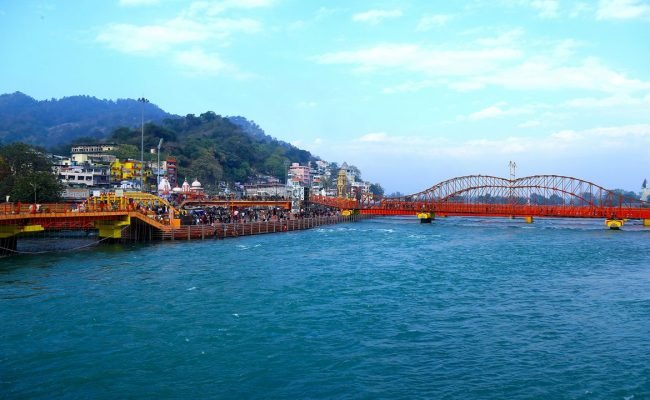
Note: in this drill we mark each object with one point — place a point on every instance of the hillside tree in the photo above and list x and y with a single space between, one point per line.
26 174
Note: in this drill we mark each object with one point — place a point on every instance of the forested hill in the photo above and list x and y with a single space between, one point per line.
49 123
213 148
208 147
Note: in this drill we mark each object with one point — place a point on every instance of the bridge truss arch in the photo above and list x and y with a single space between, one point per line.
530 190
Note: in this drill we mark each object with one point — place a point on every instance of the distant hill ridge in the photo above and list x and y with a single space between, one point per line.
208 146
49 123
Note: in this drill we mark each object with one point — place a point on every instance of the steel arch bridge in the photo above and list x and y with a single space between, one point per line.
484 195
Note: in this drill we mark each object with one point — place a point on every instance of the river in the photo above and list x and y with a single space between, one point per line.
385 308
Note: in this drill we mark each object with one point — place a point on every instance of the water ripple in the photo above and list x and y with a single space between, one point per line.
386 308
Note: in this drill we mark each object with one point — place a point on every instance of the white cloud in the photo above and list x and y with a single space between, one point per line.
197 62
212 8
580 9
473 69
375 137
154 39
543 74
430 21
416 58
622 100
189 39
410 86
546 8
567 136
489 112
130 3
376 16
499 110
622 9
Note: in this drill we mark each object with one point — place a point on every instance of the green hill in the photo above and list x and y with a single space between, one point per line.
208 147
50 123
212 148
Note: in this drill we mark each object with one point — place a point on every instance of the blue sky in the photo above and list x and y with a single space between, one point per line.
411 92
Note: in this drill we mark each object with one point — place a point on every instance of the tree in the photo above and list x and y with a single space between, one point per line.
334 168
127 151
326 182
356 172
376 189
207 170
27 173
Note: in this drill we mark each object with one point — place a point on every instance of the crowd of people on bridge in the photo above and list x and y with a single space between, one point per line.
214 214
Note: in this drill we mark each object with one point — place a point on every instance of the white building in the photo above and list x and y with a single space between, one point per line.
84 175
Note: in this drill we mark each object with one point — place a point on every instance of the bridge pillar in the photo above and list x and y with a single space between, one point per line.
426 218
528 219
614 224
8 245
112 229
9 238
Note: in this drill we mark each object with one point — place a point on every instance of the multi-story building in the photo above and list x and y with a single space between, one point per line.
300 173
93 148
127 170
92 153
85 175
170 166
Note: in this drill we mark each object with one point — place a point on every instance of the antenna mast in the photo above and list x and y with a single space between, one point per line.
513 170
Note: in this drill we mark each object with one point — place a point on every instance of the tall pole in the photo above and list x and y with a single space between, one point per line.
33 185
143 101
513 173
158 168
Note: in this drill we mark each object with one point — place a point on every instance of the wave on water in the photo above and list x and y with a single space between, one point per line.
393 309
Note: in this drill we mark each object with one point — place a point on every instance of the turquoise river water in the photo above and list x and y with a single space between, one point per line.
379 309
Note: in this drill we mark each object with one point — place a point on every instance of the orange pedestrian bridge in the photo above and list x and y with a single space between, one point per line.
135 216
490 196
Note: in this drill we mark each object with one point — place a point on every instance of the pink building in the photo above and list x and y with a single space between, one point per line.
301 174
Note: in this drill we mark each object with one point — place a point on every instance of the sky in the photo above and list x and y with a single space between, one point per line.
410 92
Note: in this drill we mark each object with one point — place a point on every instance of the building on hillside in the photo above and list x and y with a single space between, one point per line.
321 166
170 167
85 175
316 184
127 170
300 173
359 190
98 148
92 153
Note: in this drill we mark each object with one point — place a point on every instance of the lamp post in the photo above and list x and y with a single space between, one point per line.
143 101
158 168
34 186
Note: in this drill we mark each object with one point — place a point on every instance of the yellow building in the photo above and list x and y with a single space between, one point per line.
127 170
